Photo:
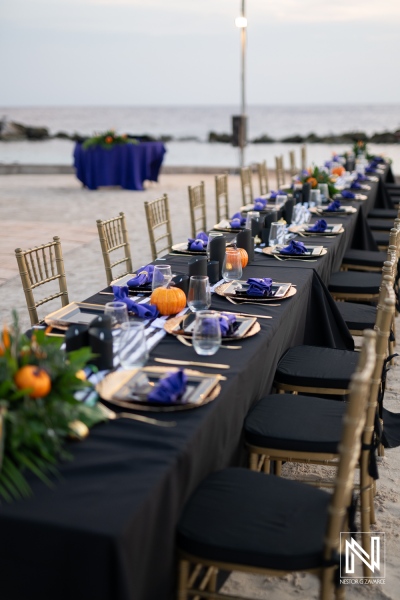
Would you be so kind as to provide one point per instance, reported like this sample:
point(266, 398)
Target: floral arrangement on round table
point(314, 176)
point(38, 409)
point(109, 139)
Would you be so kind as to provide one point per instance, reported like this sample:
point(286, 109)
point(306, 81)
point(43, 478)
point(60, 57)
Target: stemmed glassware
point(232, 266)
point(199, 295)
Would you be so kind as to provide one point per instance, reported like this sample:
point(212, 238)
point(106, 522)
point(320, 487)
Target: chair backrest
point(197, 204)
point(263, 177)
point(221, 197)
point(303, 158)
point(292, 160)
point(158, 222)
point(39, 266)
point(246, 180)
point(350, 445)
point(280, 171)
point(113, 237)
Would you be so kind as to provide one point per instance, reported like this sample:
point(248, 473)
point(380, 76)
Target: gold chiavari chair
point(280, 172)
point(240, 520)
point(246, 180)
point(292, 160)
point(263, 177)
point(303, 158)
point(39, 266)
point(113, 236)
point(222, 197)
point(158, 221)
point(197, 205)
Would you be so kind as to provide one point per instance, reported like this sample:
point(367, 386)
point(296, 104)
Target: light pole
point(241, 22)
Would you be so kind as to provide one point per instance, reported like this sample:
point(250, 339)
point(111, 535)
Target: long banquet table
point(107, 528)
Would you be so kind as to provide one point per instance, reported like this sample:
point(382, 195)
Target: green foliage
point(36, 428)
point(315, 175)
point(107, 140)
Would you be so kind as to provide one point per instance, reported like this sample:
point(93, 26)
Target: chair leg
point(326, 584)
point(183, 579)
point(253, 461)
point(372, 504)
point(278, 468)
point(267, 466)
point(212, 586)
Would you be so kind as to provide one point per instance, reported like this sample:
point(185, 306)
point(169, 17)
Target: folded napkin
point(260, 203)
point(170, 389)
point(144, 311)
point(361, 177)
point(370, 170)
point(199, 244)
point(294, 248)
point(237, 221)
point(319, 226)
point(143, 277)
point(355, 185)
point(259, 286)
point(334, 206)
point(348, 194)
point(226, 323)
point(378, 159)
point(273, 194)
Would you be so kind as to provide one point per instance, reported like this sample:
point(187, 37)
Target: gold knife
point(170, 361)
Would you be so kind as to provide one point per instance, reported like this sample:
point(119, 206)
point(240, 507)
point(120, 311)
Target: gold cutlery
point(250, 315)
point(110, 414)
point(187, 343)
point(170, 361)
point(236, 302)
point(301, 259)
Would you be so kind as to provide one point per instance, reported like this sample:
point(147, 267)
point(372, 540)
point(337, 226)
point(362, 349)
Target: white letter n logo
point(353, 548)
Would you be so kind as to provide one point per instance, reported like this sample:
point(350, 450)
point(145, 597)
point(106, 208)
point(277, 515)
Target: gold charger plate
point(357, 197)
point(171, 325)
point(183, 249)
point(74, 313)
point(347, 210)
point(220, 290)
point(114, 382)
point(224, 226)
point(273, 252)
point(301, 229)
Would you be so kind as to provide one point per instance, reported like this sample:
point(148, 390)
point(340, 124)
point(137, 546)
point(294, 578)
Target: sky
point(185, 52)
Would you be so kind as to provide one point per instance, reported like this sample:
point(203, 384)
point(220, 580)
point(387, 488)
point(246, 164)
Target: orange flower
point(109, 139)
point(6, 342)
point(313, 182)
point(338, 171)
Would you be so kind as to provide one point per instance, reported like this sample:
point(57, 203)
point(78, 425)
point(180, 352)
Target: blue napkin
point(361, 177)
point(199, 244)
point(143, 277)
point(319, 226)
point(260, 203)
point(378, 159)
point(226, 324)
point(334, 206)
point(273, 194)
point(237, 221)
point(170, 389)
point(259, 286)
point(294, 248)
point(144, 311)
point(355, 186)
point(347, 194)
point(370, 170)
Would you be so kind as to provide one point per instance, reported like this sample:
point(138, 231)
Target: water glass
point(199, 295)
point(132, 349)
point(276, 234)
point(323, 187)
point(162, 275)
point(252, 214)
point(281, 199)
point(211, 236)
point(232, 266)
point(315, 198)
point(206, 333)
point(119, 314)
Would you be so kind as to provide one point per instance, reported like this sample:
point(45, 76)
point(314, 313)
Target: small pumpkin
point(169, 301)
point(338, 171)
point(313, 182)
point(35, 379)
point(244, 257)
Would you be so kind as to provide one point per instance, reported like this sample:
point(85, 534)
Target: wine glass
point(199, 295)
point(132, 350)
point(118, 312)
point(162, 275)
point(206, 337)
point(232, 266)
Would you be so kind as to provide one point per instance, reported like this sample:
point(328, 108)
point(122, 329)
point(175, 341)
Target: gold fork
point(265, 304)
point(110, 414)
point(187, 343)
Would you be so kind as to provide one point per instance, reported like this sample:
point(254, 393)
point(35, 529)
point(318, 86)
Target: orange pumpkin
point(244, 257)
point(35, 379)
point(169, 301)
point(312, 181)
point(338, 171)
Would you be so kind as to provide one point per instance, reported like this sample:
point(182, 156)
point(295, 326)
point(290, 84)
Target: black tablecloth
point(107, 529)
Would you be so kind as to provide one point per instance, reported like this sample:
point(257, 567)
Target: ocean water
point(190, 126)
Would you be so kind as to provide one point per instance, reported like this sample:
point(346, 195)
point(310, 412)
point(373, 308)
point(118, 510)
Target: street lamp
point(241, 23)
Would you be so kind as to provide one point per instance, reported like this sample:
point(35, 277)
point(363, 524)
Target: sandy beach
point(34, 208)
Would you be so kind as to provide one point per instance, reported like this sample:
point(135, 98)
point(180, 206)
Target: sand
point(34, 208)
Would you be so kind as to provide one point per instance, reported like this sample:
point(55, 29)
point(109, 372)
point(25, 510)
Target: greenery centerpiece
point(107, 140)
point(38, 409)
point(316, 175)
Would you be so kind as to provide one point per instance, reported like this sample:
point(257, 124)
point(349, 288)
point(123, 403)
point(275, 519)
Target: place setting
point(333, 209)
point(295, 250)
point(319, 228)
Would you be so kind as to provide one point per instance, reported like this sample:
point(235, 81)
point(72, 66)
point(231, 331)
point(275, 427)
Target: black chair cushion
point(383, 213)
point(316, 366)
point(381, 238)
point(295, 422)
point(380, 224)
point(247, 518)
point(364, 258)
point(355, 282)
point(357, 316)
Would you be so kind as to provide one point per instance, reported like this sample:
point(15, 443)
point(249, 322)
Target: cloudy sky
point(163, 52)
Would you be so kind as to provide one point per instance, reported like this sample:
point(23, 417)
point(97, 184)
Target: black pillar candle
point(102, 322)
point(306, 192)
point(101, 343)
point(181, 282)
point(76, 337)
point(217, 252)
point(246, 241)
point(198, 265)
point(213, 271)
